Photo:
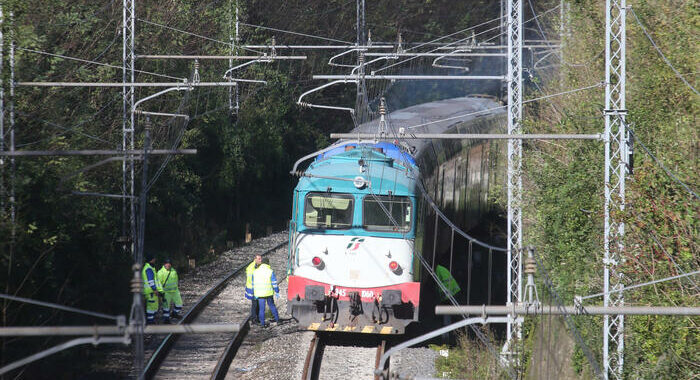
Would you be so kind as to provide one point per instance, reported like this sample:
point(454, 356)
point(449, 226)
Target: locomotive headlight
point(317, 262)
point(395, 267)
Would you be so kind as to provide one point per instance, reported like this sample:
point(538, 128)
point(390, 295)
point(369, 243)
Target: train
point(360, 217)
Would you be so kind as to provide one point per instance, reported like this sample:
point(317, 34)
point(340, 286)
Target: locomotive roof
point(439, 116)
point(382, 171)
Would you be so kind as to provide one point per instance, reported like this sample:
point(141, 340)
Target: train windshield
point(328, 210)
point(386, 213)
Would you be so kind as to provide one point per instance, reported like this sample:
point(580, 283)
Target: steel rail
point(381, 349)
point(167, 344)
point(230, 352)
point(314, 356)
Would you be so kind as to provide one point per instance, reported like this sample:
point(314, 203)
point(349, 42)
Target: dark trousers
point(271, 303)
point(254, 309)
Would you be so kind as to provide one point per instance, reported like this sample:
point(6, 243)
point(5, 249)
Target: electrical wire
point(461, 40)
point(658, 50)
point(195, 34)
point(567, 317)
point(65, 129)
point(95, 62)
point(642, 285)
point(295, 33)
point(660, 164)
point(58, 307)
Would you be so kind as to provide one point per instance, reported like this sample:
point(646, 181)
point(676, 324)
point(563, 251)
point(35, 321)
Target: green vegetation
point(564, 183)
point(67, 247)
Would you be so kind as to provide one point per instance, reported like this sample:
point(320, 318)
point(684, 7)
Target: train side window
point(377, 209)
point(328, 210)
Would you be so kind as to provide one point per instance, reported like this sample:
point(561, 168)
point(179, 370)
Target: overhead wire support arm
point(181, 86)
point(223, 57)
point(93, 152)
point(540, 309)
point(462, 54)
point(139, 112)
point(457, 136)
point(227, 75)
point(304, 104)
point(348, 78)
point(315, 47)
point(331, 63)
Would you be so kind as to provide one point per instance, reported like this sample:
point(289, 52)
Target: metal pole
point(13, 210)
point(204, 328)
point(231, 51)
point(2, 159)
point(128, 172)
point(615, 172)
point(134, 84)
point(458, 136)
point(96, 152)
point(229, 57)
point(514, 228)
point(2, 117)
point(61, 347)
point(539, 309)
point(410, 77)
point(463, 323)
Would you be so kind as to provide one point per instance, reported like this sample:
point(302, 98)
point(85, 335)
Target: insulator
point(136, 285)
point(530, 267)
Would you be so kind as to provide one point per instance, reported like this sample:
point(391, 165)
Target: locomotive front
point(351, 258)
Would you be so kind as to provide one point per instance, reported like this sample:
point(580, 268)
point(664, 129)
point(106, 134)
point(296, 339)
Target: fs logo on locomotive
point(354, 244)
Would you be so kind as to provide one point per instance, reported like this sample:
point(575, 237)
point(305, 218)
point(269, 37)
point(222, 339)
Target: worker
point(264, 284)
point(257, 260)
point(167, 276)
point(448, 281)
point(151, 288)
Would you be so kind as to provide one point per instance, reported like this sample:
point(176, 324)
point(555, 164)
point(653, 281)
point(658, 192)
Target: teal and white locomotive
point(357, 223)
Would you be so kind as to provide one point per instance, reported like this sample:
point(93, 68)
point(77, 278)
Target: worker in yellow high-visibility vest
point(172, 300)
point(249, 287)
point(151, 288)
point(264, 287)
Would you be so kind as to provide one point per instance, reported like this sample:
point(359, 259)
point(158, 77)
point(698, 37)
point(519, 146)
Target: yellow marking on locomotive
point(368, 329)
point(386, 330)
point(350, 328)
point(314, 326)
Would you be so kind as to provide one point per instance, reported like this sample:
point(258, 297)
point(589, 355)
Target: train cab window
point(376, 218)
point(328, 210)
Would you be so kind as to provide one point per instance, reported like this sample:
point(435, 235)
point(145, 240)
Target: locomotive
point(358, 218)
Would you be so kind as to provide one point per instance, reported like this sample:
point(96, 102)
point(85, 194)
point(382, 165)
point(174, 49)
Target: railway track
point(314, 357)
point(206, 355)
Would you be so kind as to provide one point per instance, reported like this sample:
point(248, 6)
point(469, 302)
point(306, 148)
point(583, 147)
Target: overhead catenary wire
point(660, 164)
point(194, 34)
point(60, 307)
point(295, 33)
point(460, 41)
point(658, 50)
point(502, 107)
point(642, 285)
point(95, 63)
